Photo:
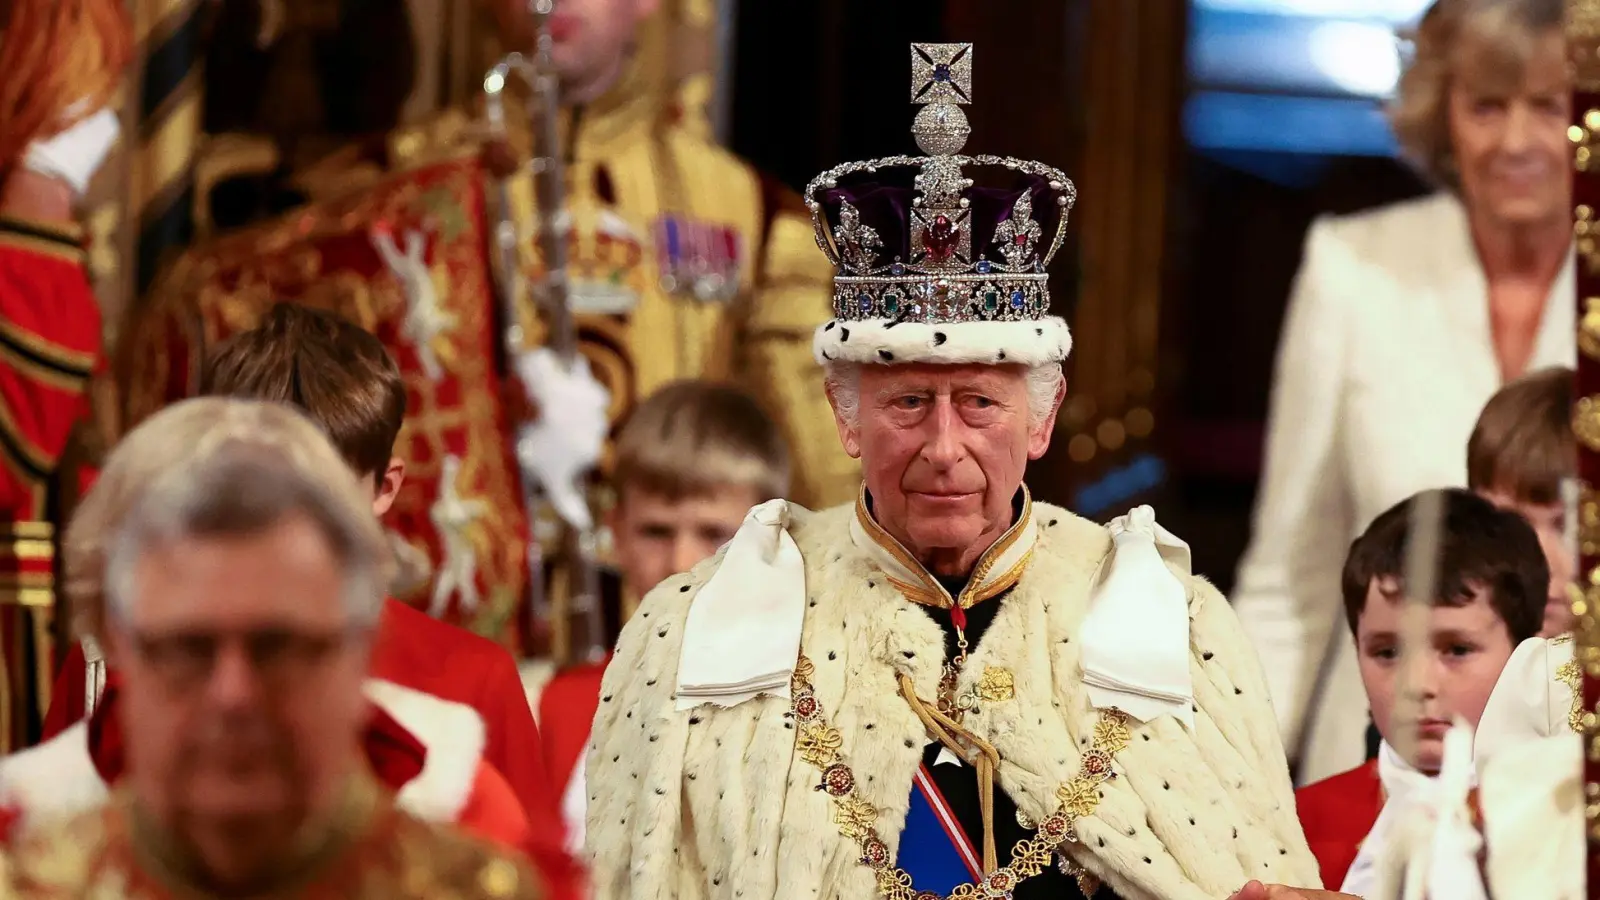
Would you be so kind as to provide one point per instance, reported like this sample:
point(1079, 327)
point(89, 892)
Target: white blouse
point(1386, 359)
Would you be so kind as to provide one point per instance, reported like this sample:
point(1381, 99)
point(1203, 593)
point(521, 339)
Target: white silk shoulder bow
point(742, 637)
point(1135, 638)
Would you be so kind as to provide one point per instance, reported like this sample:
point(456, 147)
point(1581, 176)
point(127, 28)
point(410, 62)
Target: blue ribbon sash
point(934, 850)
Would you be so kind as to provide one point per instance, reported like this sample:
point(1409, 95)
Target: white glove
point(565, 441)
point(76, 154)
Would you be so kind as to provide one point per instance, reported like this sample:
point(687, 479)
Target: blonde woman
point(1403, 322)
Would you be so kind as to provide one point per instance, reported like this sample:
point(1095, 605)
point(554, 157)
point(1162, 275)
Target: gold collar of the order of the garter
point(996, 571)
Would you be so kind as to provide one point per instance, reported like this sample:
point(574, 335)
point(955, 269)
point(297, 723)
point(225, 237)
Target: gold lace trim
point(1569, 674)
point(820, 744)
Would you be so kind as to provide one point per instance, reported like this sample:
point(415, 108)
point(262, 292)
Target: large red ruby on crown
point(939, 239)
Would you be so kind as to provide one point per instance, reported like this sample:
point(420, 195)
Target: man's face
point(1510, 141)
point(242, 682)
point(1468, 647)
point(657, 537)
point(943, 449)
point(1549, 523)
point(591, 37)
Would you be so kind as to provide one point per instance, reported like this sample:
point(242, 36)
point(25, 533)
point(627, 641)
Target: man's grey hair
point(843, 380)
point(219, 468)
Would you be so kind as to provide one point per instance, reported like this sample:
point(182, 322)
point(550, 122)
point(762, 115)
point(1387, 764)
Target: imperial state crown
point(931, 265)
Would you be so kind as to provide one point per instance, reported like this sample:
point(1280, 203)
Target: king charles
point(944, 689)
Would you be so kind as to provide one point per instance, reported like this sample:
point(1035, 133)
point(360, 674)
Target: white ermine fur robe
point(716, 803)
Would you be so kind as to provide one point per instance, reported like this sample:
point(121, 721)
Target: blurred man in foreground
point(243, 717)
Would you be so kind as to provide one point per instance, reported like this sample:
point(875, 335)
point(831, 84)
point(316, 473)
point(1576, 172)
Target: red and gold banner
point(323, 256)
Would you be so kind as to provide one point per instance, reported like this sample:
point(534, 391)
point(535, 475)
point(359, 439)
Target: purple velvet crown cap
point(884, 197)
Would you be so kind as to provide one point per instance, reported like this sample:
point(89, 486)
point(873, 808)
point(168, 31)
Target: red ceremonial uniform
point(566, 714)
point(422, 653)
point(1337, 814)
point(49, 347)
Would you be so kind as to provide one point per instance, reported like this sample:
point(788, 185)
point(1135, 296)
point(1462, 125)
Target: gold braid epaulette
point(58, 239)
point(819, 744)
point(1569, 674)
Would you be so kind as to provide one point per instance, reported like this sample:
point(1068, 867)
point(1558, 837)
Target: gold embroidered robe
point(373, 851)
point(724, 803)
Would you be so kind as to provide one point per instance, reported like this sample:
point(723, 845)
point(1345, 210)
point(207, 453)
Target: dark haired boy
point(1490, 596)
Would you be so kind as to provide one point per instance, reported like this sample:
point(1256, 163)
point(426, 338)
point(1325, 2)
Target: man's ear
point(849, 432)
point(388, 486)
point(1039, 434)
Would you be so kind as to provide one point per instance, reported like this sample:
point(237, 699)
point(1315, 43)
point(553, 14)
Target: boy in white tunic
point(943, 689)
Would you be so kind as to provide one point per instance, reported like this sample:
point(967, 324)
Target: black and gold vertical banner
point(168, 138)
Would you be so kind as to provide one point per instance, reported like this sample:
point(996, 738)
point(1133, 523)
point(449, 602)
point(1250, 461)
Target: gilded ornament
point(838, 780)
point(1079, 797)
point(1032, 860)
point(819, 744)
point(894, 887)
point(498, 878)
point(806, 707)
point(855, 817)
point(1583, 42)
point(1584, 230)
point(1111, 732)
point(1096, 763)
point(1588, 521)
point(996, 685)
point(1589, 328)
point(875, 854)
point(1586, 422)
point(1569, 674)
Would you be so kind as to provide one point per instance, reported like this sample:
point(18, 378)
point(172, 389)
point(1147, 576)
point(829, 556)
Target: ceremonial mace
point(550, 298)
